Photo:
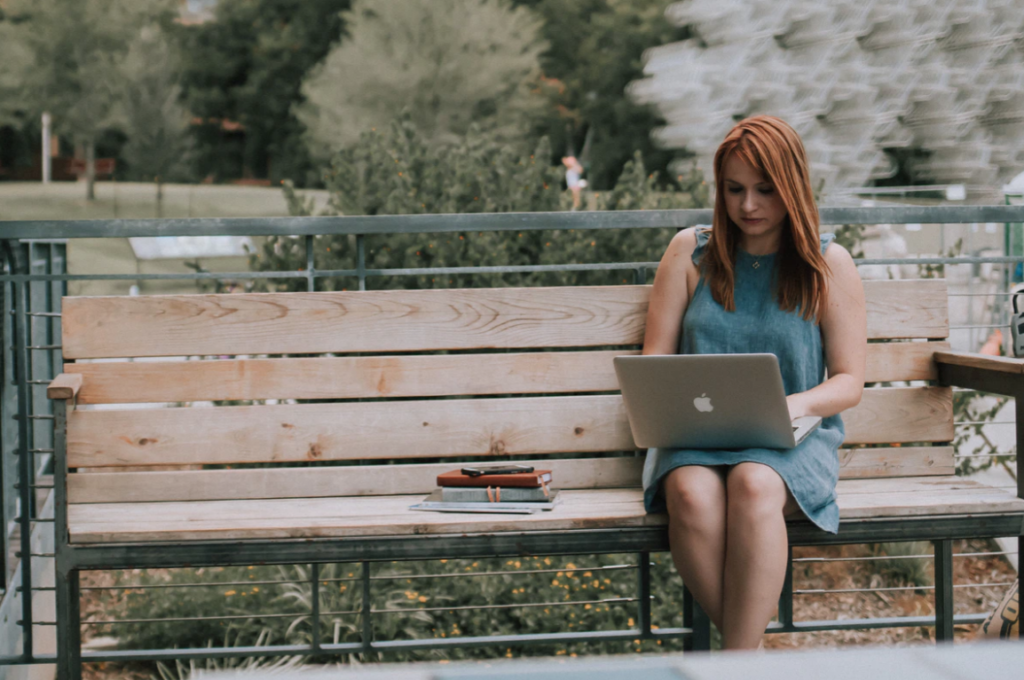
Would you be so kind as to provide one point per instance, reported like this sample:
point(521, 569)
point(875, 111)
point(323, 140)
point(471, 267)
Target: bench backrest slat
point(430, 429)
point(129, 382)
point(417, 320)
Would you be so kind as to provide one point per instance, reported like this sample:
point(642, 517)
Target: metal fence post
point(366, 612)
point(695, 618)
point(314, 582)
point(944, 591)
point(643, 603)
point(19, 265)
point(786, 598)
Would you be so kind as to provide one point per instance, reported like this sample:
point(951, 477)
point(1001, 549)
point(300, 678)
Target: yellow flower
point(629, 622)
point(422, 598)
point(229, 593)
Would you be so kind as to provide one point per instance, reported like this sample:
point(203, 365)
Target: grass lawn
point(66, 201)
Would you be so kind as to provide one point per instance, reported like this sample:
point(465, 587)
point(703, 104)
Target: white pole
point(46, 149)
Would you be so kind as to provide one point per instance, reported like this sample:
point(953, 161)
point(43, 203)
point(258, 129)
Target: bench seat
point(367, 516)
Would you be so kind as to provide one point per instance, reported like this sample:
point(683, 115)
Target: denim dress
point(811, 469)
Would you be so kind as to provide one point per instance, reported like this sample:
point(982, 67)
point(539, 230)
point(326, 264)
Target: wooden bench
point(426, 378)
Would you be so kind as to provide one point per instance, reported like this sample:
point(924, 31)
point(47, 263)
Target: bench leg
point(69, 627)
point(943, 591)
point(695, 618)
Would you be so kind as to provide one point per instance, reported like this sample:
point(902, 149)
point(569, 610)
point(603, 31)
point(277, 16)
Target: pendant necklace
point(757, 262)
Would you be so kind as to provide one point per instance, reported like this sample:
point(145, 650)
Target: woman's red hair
point(773, 148)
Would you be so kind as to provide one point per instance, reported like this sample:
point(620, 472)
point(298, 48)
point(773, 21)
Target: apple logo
point(703, 403)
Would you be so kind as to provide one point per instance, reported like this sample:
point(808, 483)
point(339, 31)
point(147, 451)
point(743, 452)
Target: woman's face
point(752, 202)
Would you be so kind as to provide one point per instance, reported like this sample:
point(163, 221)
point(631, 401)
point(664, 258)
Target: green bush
point(398, 172)
point(271, 605)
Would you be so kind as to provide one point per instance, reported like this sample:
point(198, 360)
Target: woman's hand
point(797, 407)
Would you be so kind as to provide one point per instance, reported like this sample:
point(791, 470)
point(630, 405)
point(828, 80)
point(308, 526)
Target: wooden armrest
point(983, 372)
point(983, 361)
point(64, 386)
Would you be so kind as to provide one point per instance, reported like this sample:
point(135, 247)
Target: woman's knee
point(755, 488)
point(694, 492)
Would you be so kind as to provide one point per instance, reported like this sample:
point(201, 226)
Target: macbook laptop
point(709, 401)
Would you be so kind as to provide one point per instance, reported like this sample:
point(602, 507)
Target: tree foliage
point(149, 110)
point(399, 171)
point(450, 63)
point(14, 62)
point(595, 51)
point(246, 66)
point(73, 52)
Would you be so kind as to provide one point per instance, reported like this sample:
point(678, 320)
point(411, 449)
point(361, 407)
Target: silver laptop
point(709, 401)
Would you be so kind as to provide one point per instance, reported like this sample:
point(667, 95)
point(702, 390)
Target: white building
point(858, 79)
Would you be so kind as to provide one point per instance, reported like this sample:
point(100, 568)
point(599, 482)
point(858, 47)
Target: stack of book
point(515, 489)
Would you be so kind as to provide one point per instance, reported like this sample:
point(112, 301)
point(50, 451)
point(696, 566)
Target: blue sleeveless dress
point(811, 469)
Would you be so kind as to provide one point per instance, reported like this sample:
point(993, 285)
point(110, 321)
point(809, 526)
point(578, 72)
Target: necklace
point(757, 262)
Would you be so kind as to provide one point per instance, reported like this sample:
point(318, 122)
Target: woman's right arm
point(670, 295)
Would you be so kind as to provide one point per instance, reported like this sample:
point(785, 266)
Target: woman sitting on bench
point(761, 279)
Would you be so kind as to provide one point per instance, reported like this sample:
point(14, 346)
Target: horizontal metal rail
point(479, 222)
point(397, 577)
point(872, 558)
point(833, 591)
point(452, 271)
point(514, 605)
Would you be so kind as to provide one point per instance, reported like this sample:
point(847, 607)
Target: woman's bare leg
point(757, 550)
point(696, 501)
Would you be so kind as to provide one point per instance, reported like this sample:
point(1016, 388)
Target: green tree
point(150, 112)
point(14, 62)
point(247, 66)
point(74, 49)
point(596, 51)
point(450, 63)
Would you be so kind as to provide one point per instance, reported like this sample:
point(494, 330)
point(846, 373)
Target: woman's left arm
point(844, 338)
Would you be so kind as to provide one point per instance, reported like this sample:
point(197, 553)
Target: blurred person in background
point(573, 178)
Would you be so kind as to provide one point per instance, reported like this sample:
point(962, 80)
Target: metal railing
point(35, 278)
